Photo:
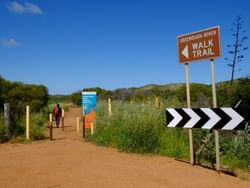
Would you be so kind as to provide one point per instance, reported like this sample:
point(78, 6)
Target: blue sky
point(69, 45)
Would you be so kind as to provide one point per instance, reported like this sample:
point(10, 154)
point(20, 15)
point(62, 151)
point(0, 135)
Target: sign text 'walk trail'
point(199, 45)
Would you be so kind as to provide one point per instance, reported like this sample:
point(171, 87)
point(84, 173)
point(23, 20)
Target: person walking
point(57, 114)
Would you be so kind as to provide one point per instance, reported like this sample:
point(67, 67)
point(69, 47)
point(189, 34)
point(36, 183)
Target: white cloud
point(24, 8)
point(9, 42)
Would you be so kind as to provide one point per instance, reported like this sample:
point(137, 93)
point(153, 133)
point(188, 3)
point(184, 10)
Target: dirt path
point(69, 162)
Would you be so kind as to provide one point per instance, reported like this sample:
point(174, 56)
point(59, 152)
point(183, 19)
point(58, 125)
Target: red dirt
point(68, 162)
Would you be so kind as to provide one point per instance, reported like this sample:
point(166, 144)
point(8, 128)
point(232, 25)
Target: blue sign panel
point(88, 101)
point(89, 107)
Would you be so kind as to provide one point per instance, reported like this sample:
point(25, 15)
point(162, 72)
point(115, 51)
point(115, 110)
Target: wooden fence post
point(92, 128)
point(110, 107)
point(27, 122)
point(78, 124)
point(157, 104)
point(62, 119)
point(50, 127)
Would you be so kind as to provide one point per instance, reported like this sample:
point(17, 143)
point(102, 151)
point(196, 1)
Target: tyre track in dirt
point(69, 162)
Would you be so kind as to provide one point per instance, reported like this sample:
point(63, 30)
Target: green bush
point(37, 127)
point(235, 153)
point(132, 128)
point(19, 95)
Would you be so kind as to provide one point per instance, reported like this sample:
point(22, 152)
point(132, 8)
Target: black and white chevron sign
point(205, 118)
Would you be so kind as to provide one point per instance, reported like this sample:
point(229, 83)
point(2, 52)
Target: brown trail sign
point(200, 45)
point(204, 44)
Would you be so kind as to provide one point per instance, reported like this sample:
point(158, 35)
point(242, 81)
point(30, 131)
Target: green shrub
point(19, 95)
point(132, 128)
point(37, 127)
point(142, 138)
point(235, 154)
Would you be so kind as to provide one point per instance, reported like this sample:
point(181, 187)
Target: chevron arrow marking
point(194, 118)
point(213, 118)
point(177, 117)
point(206, 118)
point(235, 121)
point(224, 118)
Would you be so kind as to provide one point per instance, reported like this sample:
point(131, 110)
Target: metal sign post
point(200, 45)
point(216, 132)
point(190, 134)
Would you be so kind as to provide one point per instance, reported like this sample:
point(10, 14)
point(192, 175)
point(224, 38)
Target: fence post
point(62, 119)
point(27, 122)
point(157, 104)
point(110, 107)
point(78, 124)
point(7, 118)
point(50, 127)
point(83, 123)
point(92, 128)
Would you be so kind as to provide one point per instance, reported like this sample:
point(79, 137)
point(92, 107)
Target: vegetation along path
point(69, 162)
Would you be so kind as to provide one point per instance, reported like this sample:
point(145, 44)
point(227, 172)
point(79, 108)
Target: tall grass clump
point(174, 143)
point(139, 128)
point(132, 127)
point(37, 128)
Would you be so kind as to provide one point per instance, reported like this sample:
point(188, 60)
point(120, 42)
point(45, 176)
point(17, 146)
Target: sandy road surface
point(69, 162)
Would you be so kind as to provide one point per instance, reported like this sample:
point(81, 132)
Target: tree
point(76, 98)
point(242, 94)
point(237, 47)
